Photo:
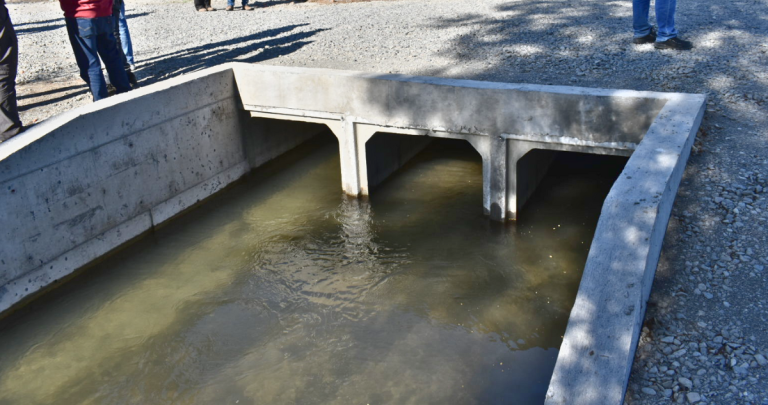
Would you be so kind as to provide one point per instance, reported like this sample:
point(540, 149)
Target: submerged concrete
point(83, 183)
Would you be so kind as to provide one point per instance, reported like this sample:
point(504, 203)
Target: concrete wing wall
point(598, 348)
point(84, 182)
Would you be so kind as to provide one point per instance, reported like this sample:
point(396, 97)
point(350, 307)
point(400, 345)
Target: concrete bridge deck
point(83, 183)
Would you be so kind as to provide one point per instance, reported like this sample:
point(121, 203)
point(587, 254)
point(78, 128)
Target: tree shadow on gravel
point(252, 48)
point(50, 25)
point(589, 43)
point(49, 92)
point(47, 101)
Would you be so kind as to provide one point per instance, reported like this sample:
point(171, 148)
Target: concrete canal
point(281, 290)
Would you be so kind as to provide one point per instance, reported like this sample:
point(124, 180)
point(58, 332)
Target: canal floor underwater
point(281, 290)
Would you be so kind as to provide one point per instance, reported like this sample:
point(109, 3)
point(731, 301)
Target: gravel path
point(706, 334)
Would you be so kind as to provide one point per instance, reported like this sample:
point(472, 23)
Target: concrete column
point(345, 132)
point(364, 133)
point(497, 177)
point(482, 146)
point(516, 150)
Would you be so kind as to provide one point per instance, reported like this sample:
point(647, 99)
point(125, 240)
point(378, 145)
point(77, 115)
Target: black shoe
point(675, 43)
point(651, 37)
point(132, 80)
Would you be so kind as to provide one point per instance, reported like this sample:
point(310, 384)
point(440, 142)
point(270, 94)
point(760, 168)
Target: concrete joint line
point(565, 140)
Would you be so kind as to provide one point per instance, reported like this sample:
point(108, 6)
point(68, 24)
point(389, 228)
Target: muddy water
point(282, 291)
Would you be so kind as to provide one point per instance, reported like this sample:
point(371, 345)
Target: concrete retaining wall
point(83, 183)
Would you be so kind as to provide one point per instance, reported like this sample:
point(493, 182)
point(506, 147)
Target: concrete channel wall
point(83, 183)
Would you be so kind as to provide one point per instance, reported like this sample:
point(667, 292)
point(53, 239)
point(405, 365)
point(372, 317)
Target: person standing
point(231, 5)
point(666, 38)
point(90, 28)
point(204, 5)
point(10, 124)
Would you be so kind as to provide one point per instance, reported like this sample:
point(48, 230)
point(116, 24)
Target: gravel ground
point(705, 338)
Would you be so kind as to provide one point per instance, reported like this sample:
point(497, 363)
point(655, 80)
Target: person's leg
point(665, 18)
point(200, 5)
point(86, 39)
point(110, 54)
point(80, 58)
point(116, 33)
point(640, 24)
point(125, 36)
point(10, 124)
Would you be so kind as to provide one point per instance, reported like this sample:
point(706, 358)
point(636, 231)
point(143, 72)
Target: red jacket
point(86, 8)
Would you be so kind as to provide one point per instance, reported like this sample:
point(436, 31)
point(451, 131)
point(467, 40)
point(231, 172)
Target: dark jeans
point(10, 124)
point(665, 18)
point(91, 38)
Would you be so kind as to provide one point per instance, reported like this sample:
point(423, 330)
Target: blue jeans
point(231, 3)
point(125, 35)
point(665, 18)
point(91, 38)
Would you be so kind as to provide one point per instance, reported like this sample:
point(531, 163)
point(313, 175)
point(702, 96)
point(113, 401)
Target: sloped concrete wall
point(83, 183)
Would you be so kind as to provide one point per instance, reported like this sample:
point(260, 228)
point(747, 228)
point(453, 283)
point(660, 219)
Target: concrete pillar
point(482, 146)
point(497, 176)
point(365, 133)
point(346, 133)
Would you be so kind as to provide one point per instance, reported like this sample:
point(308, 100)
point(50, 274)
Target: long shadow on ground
point(251, 48)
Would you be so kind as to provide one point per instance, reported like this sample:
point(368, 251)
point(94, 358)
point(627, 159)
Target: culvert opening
point(570, 182)
point(440, 171)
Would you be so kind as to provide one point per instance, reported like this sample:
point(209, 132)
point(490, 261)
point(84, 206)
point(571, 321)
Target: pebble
point(693, 397)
